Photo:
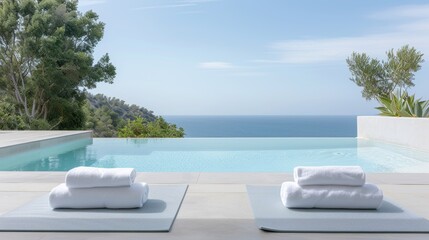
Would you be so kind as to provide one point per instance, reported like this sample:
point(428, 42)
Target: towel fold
point(367, 196)
point(133, 196)
point(87, 177)
point(329, 175)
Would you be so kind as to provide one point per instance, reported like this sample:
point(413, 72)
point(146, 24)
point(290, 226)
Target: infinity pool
point(220, 155)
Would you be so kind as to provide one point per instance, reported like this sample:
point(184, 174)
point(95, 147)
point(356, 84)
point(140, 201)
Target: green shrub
point(9, 120)
point(403, 105)
point(40, 124)
point(140, 128)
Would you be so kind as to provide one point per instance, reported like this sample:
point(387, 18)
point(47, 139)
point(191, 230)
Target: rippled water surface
point(221, 155)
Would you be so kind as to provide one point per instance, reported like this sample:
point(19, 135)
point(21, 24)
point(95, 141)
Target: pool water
point(220, 155)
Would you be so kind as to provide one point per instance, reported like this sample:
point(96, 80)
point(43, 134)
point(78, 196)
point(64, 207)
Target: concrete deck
point(12, 142)
point(216, 205)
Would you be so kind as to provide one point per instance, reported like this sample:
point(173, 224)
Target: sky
point(259, 57)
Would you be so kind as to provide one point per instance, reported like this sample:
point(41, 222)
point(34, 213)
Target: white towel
point(88, 177)
point(367, 196)
point(133, 196)
point(329, 175)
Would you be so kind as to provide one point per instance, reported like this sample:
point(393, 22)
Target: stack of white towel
point(330, 187)
point(89, 187)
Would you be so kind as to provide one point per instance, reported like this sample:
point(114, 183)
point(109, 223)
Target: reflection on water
point(61, 162)
point(220, 155)
point(60, 157)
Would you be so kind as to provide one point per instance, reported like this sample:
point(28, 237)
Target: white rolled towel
point(88, 177)
point(367, 196)
point(329, 175)
point(133, 196)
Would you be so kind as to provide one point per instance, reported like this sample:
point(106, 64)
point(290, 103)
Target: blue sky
point(261, 57)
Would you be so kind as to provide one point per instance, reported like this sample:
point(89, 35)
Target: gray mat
point(156, 215)
point(271, 215)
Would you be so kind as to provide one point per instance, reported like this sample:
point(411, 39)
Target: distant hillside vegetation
point(107, 115)
point(119, 106)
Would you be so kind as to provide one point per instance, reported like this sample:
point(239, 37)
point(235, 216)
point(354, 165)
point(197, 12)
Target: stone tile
point(22, 235)
point(399, 178)
point(217, 188)
point(168, 178)
point(32, 177)
point(215, 229)
point(244, 178)
point(208, 229)
point(215, 205)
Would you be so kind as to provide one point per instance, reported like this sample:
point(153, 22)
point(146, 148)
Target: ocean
point(266, 126)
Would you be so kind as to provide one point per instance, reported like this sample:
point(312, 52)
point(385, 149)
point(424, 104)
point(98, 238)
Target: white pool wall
point(13, 142)
point(409, 132)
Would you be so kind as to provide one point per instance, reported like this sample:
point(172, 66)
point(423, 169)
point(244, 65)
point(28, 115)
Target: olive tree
point(380, 78)
point(46, 59)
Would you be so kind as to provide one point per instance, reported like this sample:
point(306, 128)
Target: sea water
point(266, 126)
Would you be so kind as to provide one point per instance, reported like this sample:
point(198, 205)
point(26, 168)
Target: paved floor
point(216, 205)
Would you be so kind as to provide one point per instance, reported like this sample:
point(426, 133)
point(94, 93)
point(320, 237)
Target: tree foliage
point(112, 117)
point(46, 60)
point(9, 120)
point(381, 78)
point(46, 66)
point(100, 120)
point(105, 115)
point(119, 107)
point(139, 128)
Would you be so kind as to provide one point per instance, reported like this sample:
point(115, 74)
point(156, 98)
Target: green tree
point(119, 107)
point(46, 59)
point(159, 128)
point(9, 120)
point(381, 78)
point(105, 115)
point(103, 123)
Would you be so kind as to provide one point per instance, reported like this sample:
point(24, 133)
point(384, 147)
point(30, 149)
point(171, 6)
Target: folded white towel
point(133, 196)
point(329, 175)
point(88, 177)
point(367, 196)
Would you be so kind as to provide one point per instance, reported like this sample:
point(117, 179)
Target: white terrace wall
point(410, 132)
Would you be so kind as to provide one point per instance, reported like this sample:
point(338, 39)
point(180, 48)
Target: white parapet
point(410, 132)
point(13, 142)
